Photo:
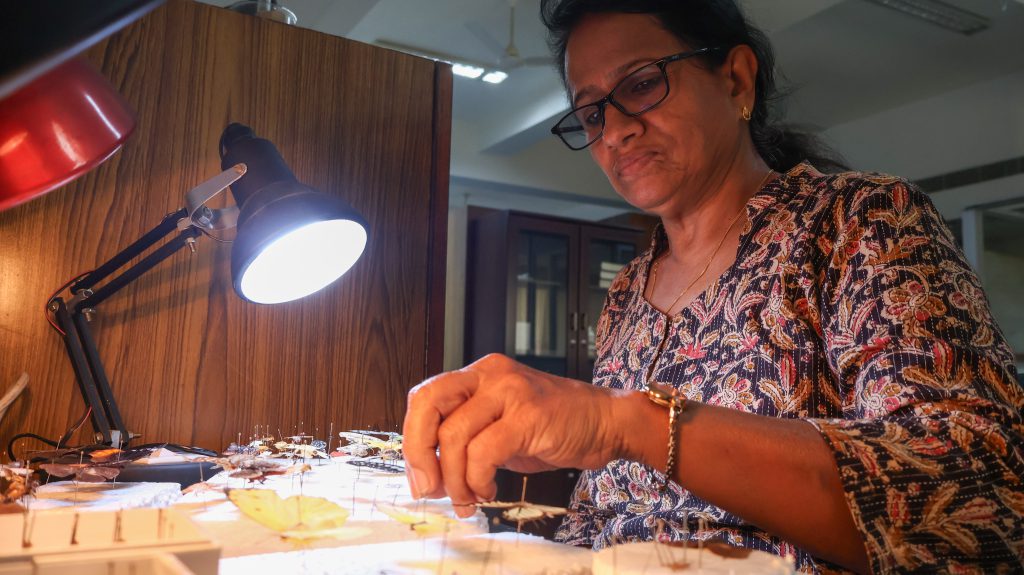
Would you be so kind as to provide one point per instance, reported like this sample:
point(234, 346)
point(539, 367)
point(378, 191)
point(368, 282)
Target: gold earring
point(745, 113)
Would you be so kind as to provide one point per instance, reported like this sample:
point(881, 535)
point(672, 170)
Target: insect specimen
point(422, 522)
point(523, 511)
point(299, 450)
point(377, 465)
point(15, 483)
point(355, 450)
point(296, 517)
point(87, 472)
point(93, 466)
point(384, 444)
point(247, 466)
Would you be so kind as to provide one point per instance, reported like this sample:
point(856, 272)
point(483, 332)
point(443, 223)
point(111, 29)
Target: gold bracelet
point(668, 396)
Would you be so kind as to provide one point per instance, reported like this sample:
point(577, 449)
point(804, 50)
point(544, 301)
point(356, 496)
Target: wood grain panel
point(439, 215)
point(189, 361)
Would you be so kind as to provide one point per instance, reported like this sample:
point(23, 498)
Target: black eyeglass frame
point(608, 99)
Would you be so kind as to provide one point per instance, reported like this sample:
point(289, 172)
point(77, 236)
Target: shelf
point(529, 356)
point(543, 283)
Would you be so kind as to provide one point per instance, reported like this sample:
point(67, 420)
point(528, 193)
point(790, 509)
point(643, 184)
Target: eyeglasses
point(641, 90)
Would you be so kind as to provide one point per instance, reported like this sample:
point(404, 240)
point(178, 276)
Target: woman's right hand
point(462, 425)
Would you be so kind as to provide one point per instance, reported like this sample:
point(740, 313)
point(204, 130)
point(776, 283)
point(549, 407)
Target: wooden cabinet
point(536, 285)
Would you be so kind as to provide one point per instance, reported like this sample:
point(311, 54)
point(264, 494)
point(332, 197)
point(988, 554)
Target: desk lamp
point(291, 241)
point(59, 117)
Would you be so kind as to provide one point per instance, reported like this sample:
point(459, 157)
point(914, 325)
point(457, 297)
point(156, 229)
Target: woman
point(803, 360)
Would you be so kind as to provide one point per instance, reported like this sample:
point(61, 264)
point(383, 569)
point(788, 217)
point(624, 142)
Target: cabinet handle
point(573, 327)
point(583, 328)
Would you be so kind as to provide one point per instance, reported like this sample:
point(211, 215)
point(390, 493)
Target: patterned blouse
point(851, 306)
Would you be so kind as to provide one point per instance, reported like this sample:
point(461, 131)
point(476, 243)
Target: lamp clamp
point(202, 216)
point(76, 298)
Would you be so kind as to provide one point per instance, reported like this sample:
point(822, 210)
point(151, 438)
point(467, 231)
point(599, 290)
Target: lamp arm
point(190, 220)
point(81, 348)
point(72, 316)
point(78, 349)
point(94, 298)
point(195, 213)
point(166, 226)
point(78, 341)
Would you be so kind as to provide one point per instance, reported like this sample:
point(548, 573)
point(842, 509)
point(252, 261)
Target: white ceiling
point(844, 59)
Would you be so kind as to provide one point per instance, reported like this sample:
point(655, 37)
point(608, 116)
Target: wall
point(189, 361)
point(455, 290)
point(972, 126)
point(547, 165)
point(1003, 285)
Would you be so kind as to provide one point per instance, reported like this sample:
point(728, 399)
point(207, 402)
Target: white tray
point(104, 539)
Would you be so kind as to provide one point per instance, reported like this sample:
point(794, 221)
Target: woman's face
point(660, 160)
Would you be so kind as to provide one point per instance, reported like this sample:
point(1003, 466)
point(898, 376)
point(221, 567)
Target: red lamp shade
point(56, 128)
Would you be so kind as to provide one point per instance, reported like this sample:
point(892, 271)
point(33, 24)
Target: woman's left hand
point(462, 425)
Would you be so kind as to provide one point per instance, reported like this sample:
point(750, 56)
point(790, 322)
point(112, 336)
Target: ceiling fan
point(505, 58)
point(508, 56)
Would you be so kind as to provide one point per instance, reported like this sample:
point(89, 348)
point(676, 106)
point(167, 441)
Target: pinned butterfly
point(379, 450)
point(298, 517)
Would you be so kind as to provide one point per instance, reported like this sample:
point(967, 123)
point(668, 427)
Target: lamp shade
point(56, 128)
point(292, 240)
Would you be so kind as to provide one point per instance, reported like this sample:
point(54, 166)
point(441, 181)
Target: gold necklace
point(707, 266)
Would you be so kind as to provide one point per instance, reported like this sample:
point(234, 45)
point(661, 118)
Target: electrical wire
point(46, 305)
point(10, 444)
point(97, 446)
point(213, 237)
point(64, 439)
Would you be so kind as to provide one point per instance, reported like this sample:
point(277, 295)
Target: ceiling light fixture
point(467, 71)
point(268, 9)
point(495, 77)
point(940, 13)
point(464, 68)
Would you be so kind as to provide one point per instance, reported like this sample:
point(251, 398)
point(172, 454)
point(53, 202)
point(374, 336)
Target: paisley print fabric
point(850, 306)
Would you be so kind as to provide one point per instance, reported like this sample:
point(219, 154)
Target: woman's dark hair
point(704, 24)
